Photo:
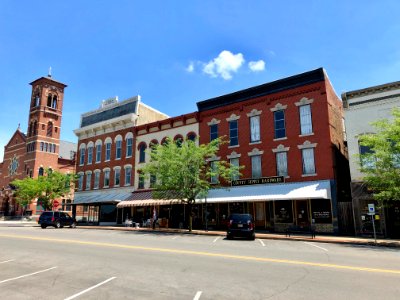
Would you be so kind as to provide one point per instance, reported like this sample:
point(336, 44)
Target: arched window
point(35, 128)
point(49, 99)
point(49, 129)
point(142, 152)
point(30, 129)
point(41, 171)
point(54, 103)
point(178, 139)
point(191, 136)
point(164, 141)
point(118, 146)
point(129, 144)
point(153, 145)
point(37, 100)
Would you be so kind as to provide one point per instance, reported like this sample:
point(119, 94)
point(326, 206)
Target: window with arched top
point(129, 144)
point(50, 129)
point(178, 139)
point(41, 171)
point(49, 99)
point(142, 152)
point(191, 136)
point(164, 141)
point(54, 102)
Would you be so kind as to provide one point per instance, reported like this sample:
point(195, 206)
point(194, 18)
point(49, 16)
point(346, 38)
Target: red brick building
point(40, 148)
point(291, 128)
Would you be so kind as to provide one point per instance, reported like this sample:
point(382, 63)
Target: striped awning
point(145, 198)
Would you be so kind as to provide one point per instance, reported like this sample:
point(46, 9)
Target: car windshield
point(237, 217)
point(47, 213)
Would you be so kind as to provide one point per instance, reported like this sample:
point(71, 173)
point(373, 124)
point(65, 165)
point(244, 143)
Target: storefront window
point(283, 211)
point(321, 210)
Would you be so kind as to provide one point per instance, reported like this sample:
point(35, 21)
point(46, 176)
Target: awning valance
point(145, 198)
point(268, 192)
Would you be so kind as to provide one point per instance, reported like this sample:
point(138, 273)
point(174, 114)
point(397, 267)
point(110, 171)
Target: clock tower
point(44, 125)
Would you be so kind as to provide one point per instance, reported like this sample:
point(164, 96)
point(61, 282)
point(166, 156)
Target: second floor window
point(256, 166)
point(305, 119)
point(254, 129)
point(117, 176)
point(108, 151)
point(106, 178)
point(142, 153)
point(214, 170)
point(128, 175)
point(213, 132)
point(279, 124)
point(96, 180)
point(129, 143)
point(153, 180)
point(235, 163)
point(118, 149)
point(281, 164)
point(308, 161)
point(233, 133)
point(80, 182)
point(141, 181)
point(88, 180)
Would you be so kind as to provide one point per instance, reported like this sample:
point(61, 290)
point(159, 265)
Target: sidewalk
point(259, 234)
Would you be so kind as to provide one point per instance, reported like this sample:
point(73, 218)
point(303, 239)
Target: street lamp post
point(205, 200)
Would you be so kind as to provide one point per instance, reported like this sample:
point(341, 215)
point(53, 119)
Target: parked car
point(240, 225)
point(58, 219)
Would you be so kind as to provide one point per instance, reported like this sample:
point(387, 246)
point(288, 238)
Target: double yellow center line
point(206, 254)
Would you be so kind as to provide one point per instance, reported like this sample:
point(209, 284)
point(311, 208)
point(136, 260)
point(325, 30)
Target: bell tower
point(44, 125)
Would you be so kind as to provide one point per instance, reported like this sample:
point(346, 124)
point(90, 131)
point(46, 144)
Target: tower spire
point(49, 72)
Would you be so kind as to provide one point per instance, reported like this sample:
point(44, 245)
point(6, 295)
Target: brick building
point(106, 157)
point(40, 148)
point(288, 131)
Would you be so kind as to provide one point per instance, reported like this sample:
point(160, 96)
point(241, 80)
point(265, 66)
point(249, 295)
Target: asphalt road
point(96, 264)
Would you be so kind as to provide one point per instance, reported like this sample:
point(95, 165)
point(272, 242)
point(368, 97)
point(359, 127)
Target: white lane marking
point(26, 275)
point(6, 261)
point(197, 296)
point(89, 289)
point(175, 237)
point(311, 244)
point(262, 243)
point(216, 239)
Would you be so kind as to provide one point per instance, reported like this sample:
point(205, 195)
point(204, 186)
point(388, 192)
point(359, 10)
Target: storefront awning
point(97, 197)
point(145, 198)
point(267, 192)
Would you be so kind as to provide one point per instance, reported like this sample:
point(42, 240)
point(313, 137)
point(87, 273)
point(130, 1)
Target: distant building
point(361, 108)
point(30, 153)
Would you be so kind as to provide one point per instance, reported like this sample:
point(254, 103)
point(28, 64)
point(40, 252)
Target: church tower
point(44, 125)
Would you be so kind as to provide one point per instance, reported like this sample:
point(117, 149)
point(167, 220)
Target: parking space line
point(6, 261)
point(26, 275)
point(216, 239)
point(89, 289)
point(197, 296)
point(175, 237)
point(311, 244)
point(262, 243)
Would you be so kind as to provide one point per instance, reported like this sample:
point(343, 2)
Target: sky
point(176, 53)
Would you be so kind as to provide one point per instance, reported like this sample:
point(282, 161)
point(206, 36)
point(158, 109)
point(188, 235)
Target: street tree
point(52, 185)
point(380, 159)
point(184, 170)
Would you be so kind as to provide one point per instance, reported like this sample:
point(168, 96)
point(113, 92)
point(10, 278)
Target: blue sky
point(175, 53)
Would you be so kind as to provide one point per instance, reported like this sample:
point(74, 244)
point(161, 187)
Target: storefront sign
point(262, 180)
point(321, 214)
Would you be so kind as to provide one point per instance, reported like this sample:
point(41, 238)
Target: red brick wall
point(321, 129)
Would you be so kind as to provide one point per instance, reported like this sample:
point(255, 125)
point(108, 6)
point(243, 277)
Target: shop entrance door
point(93, 215)
point(302, 214)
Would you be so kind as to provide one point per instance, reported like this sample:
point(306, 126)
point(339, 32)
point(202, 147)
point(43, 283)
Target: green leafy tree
point(381, 161)
point(183, 170)
point(46, 189)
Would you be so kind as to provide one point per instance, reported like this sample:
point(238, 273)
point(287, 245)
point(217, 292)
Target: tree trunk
point(190, 216)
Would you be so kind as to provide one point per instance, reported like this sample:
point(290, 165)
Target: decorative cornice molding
point(307, 144)
point(278, 106)
point(304, 101)
point(233, 155)
point(280, 148)
point(255, 151)
point(254, 113)
point(213, 122)
point(233, 117)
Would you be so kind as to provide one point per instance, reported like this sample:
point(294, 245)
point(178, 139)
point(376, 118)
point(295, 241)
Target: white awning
point(268, 192)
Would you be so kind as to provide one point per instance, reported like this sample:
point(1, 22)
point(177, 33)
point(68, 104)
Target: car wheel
point(229, 237)
point(73, 225)
point(43, 226)
point(253, 237)
point(58, 224)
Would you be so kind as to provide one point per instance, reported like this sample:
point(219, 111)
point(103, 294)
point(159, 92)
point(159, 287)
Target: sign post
point(371, 212)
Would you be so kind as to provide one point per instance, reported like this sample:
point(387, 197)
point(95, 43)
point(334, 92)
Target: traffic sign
point(55, 203)
point(371, 209)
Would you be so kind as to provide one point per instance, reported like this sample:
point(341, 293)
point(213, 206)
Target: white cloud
point(190, 67)
point(224, 65)
point(257, 66)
